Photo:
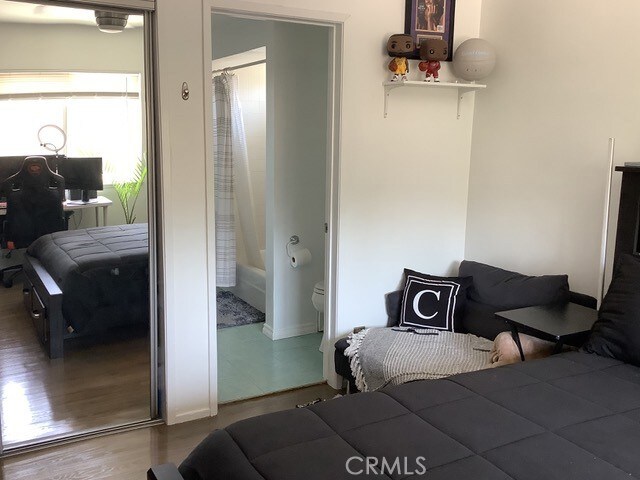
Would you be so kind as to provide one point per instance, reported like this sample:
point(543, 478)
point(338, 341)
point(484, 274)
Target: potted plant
point(129, 191)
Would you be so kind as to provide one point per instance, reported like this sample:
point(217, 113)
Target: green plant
point(129, 191)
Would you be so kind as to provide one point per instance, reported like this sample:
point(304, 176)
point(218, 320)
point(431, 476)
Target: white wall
point(396, 209)
point(190, 344)
point(76, 48)
point(297, 77)
point(252, 90)
point(539, 156)
point(404, 179)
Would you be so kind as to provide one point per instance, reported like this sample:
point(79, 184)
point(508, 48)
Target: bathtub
point(251, 286)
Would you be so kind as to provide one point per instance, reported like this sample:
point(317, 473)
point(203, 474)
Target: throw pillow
point(616, 333)
point(433, 302)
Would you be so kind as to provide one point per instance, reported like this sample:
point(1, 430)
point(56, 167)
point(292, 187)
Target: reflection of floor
point(91, 387)
point(250, 364)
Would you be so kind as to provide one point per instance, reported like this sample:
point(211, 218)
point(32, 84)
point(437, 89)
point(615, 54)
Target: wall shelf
point(461, 88)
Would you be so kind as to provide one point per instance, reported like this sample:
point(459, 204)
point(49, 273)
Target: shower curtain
point(232, 181)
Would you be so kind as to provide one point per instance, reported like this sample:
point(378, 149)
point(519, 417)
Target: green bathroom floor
point(250, 364)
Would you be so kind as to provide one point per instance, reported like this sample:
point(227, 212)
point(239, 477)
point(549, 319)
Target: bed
point(570, 416)
point(86, 282)
point(574, 415)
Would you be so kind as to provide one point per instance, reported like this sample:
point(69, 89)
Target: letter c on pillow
point(416, 301)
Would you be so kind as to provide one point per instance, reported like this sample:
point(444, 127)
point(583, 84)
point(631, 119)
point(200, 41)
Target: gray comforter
point(81, 251)
point(570, 416)
point(103, 274)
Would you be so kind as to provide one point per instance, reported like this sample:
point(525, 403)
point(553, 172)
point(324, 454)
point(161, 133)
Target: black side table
point(559, 322)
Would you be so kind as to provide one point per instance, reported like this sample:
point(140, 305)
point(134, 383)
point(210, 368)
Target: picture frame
point(430, 19)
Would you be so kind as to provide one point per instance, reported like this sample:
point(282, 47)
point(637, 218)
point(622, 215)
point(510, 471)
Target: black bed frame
point(167, 471)
point(43, 300)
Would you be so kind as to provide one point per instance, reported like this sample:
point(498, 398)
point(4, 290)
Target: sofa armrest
point(167, 471)
point(584, 300)
point(393, 304)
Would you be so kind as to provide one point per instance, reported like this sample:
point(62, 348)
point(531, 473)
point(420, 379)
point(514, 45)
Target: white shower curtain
point(223, 181)
point(232, 181)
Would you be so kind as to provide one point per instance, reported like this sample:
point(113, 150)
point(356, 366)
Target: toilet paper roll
point(300, 257)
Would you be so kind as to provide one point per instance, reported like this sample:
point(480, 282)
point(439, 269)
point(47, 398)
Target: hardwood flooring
point(93, 386)
point(129, 455)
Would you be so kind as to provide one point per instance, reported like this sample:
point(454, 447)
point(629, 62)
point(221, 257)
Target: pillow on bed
point(433, 302)
point(616, 333)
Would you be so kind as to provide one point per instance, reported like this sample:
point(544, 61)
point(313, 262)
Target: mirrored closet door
point(76, 324)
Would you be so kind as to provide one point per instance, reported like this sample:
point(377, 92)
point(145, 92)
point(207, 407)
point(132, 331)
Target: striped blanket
point(386, 356)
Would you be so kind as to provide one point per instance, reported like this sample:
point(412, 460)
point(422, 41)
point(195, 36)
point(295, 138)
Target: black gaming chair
point(34, 208)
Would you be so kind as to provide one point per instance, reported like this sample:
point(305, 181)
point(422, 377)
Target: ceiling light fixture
point(111, 22)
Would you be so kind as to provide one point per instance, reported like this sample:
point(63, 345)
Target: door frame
point(335, 22)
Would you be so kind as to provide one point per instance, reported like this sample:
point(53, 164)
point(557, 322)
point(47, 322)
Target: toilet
point(318, 302)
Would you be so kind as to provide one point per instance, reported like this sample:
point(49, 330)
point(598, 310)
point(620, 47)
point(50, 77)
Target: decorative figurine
point(398, 46)
point(432, 50)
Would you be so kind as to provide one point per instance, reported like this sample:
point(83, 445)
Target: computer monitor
point(83, 174)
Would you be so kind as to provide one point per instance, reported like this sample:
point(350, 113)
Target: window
point(101, 114)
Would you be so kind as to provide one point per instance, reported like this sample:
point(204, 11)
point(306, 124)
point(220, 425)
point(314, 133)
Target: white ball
point(474, 59)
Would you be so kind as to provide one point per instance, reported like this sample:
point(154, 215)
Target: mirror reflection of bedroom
point(74, 304)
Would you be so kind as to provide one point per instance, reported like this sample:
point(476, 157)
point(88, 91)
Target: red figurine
point(432, 50)
point(399, 46)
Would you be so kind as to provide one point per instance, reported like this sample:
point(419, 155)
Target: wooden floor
point(128, 455)
point(91, 387)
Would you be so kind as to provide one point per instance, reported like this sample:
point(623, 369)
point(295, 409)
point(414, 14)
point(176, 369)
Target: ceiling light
point(111, 22)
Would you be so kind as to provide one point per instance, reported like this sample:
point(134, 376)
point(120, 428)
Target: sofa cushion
point(495, 289)
point(509, 290)
point(480, 319)
point(616, 333)
point(433, 302)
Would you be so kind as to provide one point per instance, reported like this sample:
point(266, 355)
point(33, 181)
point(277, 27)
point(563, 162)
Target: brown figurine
point(432, 50)
point(398, 46)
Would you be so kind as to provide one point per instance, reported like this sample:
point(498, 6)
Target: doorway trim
point(335, 22)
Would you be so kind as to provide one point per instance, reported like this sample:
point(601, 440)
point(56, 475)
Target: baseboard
point(292, 331)
point(335, 381)
point(189, 416)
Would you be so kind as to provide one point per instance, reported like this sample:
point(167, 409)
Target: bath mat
point(233, 312)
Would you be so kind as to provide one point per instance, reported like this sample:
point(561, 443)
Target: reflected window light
point(18, 415)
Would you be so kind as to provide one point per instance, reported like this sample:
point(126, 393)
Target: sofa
point(492, 290)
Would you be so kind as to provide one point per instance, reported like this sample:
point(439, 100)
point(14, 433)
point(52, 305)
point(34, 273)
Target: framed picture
point(430, 19)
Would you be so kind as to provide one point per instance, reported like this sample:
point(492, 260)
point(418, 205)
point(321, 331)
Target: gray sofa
point(493, 290)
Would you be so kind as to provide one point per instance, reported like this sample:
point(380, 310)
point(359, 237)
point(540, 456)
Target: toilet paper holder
point(294, 240)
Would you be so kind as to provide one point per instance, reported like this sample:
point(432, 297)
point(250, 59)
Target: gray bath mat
point(233, 312)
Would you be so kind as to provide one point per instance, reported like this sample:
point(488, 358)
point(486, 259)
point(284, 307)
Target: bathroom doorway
point(270, 202)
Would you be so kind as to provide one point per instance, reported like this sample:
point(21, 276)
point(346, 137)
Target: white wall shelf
point(461, 88)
